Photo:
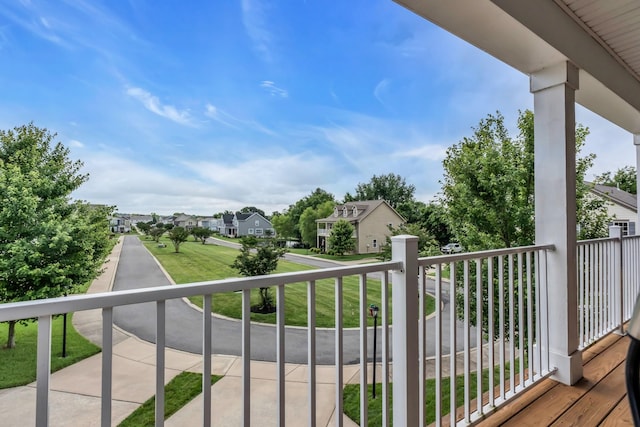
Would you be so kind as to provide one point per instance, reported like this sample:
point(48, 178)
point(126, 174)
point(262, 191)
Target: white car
point(451, 248)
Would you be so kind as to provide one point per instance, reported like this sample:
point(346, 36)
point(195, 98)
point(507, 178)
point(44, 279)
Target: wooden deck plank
point(620, 416)
point(553, 403)
point(594, 406)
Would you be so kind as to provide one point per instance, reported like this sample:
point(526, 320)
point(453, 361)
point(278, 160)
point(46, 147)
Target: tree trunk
point(11, 340)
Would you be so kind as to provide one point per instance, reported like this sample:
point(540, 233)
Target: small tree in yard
point(178, 235)
point(258, 258)
point(156, 233)
point(341, 238)
point(201, 234)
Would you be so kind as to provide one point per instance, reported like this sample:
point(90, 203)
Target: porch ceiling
point(601, 37)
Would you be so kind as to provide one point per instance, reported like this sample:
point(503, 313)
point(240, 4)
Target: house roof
point(617, 196)
point(363, 208)
point(243, 216)
point(227, 219)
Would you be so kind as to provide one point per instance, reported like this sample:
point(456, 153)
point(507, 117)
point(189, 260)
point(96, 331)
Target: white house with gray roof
point(622, 206)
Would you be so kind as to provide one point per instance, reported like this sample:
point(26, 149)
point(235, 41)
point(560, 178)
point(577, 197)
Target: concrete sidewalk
point(75, 390)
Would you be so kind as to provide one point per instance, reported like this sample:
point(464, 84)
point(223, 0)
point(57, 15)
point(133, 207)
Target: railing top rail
point(445, 259)
point(51, 306)
point(600, 240)
point(635, 236)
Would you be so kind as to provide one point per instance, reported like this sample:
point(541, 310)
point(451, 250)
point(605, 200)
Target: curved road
point(138, 269)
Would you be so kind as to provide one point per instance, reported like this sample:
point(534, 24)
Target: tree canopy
point(50, 244)
point(390, 187)
point(291, 218)
point(178, 235)
point(624, 179)
point(488, 187)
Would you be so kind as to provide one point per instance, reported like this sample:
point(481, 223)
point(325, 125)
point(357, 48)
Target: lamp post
point(373, 311)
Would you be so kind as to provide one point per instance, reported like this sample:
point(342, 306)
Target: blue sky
point(205, 106)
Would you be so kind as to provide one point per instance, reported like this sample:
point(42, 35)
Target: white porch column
point(555, 209)
point(636, 142)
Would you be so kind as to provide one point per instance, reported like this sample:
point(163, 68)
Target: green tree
point(488, 187)
point(391, 187)
point(316, 198)
point(307, 223)
point(284, 226)
point(178, 235)
point(624, 178)
point(201, 234)
point(488, 190)
point(49, 244)
point(144, 227)
point(341, 238)
point(250, 209)
point(156, 233)
point(427, 244)
point(258, 258)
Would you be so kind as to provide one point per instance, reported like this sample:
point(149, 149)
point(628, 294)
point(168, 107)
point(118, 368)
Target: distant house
point(135, 219)
point(185, 221)
point(371, 220)
point(120, 223)
point(622, 206)
point(243, 224)
point(210, 223)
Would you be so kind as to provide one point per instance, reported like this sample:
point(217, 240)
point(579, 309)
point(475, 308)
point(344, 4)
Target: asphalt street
point(138, 269)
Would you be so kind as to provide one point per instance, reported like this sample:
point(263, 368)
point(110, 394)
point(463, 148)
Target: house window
point(624, 225)
point(335, 212)
point(257, 223)
point(259, 231)
point(355, 211)
point(344, 211)
point(250, 231)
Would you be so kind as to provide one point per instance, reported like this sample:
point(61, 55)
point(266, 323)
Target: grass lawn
point(351, 397)
point(18, 365)
point(177, 393)
point(197, 262)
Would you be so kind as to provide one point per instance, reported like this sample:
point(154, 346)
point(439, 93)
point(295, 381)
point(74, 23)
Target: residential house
point(227, 227)
point(120, 223)
point(135, 219)
point(622, 207)
point(253, 224)
point(185, 221)
point(371, 220)
point(210, 223)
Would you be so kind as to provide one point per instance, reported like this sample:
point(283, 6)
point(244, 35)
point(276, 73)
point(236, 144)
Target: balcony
point(513, 352)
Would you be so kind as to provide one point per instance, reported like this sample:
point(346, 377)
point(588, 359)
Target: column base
point(569, 368)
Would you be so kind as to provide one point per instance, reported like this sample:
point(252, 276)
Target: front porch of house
point(441, 390)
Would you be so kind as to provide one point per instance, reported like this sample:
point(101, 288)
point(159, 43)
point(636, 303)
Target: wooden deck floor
point(599, 399)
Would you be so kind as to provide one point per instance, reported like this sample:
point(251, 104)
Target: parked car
point(451, 248)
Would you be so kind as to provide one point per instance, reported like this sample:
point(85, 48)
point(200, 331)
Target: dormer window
point(355, 211)
point(344, 211)
point(335, 212)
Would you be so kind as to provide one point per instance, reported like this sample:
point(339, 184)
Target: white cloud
point(255, 19)
point(380, 90)
point(75, 143)
point(153, 104)
point(274, 90)
point(433, 152)
point(231, 121)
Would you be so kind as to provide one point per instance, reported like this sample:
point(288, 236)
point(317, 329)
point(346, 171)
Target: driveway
point(138, 269)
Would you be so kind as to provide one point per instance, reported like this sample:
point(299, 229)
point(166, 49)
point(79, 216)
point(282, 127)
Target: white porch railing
point(502, 292)
point(608, 283)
